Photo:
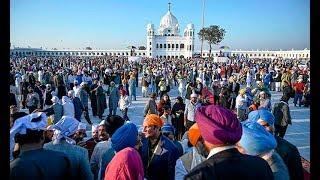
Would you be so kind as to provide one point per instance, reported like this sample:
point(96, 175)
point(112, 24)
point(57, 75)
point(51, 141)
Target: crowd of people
point(221, 125)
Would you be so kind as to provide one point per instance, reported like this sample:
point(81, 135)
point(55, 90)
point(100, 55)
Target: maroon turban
point(218, 125)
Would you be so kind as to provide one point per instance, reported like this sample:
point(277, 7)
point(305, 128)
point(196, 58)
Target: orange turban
point(194, 134)
point(153, 120)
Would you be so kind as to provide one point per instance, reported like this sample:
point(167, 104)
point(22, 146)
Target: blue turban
point(168, 128)
point(263, 114)
point(125, 136)
point(255, 139)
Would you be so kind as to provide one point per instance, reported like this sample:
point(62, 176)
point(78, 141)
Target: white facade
point(168, 42)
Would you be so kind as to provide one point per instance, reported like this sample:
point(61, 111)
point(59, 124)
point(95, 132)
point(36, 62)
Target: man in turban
point(256, 141)
point(33, 161)
point(63, 141)
point(105, 130)
point(288, 152)
point(125, 136)
point(158, 153)
point(191, 159)
point(221, 130)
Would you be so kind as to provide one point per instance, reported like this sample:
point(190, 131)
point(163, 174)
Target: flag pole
point(203, 5)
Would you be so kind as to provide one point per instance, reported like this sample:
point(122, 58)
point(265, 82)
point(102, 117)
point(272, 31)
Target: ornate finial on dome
point(169, 5)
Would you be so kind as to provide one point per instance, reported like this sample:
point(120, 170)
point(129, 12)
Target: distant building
point(166, 43)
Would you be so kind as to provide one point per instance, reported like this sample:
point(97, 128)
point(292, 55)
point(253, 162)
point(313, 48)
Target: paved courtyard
point(298, 133)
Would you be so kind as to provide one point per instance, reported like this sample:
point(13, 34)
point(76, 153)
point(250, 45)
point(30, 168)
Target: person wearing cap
point(299, 88)
point(114, 96)
point(63, 141)
point(191, 159)
point(151, 105)
point(33, 161)
point(288, 152)
point(158, 153)
point(105, 130)
point(241, 105)
point(84, 98)
point(190, 110)
point(80, 133)
point(91, 143)
point(257, 141)
point(221, 130)
point(282, 116)
point(123, 137)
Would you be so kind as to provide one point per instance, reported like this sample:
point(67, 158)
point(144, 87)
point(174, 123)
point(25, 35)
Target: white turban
point(28, 122)
point(65, 99)
point(94, 127)
point(82, 126)
point(64, 128)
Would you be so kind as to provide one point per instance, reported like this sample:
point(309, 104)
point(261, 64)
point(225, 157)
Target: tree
point(213, 35)
point(88, 48)
point(142, 48)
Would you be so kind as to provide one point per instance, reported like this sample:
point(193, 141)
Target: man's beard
point(202, 150)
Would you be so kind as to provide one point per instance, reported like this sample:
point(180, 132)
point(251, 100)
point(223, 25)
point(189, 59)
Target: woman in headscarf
point(257, 141)
point(177, 117)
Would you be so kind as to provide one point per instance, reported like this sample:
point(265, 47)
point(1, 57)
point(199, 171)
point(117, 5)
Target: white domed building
point(167, 42)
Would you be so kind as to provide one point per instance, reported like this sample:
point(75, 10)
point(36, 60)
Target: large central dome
point(168, 21)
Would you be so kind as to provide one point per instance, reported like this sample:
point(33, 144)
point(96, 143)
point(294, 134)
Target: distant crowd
point(221, 125)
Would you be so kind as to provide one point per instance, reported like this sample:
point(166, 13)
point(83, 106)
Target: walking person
point(101, 100)
point(151, 106)
point(132, 88)
point(298, 87)
point(93, 97)
point(177, 117)
point(84, 98)
point(189, 113)
point(124, 104)
point(113, 94)
point(282, 116)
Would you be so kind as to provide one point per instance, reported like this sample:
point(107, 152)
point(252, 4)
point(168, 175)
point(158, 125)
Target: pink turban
point(218, 125)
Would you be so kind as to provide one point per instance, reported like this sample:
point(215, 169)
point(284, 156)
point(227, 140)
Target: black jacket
point(231, 164)
point(291, 157)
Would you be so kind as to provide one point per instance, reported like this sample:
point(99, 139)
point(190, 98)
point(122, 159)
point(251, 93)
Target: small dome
point(190, 26)
point(150, 26)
